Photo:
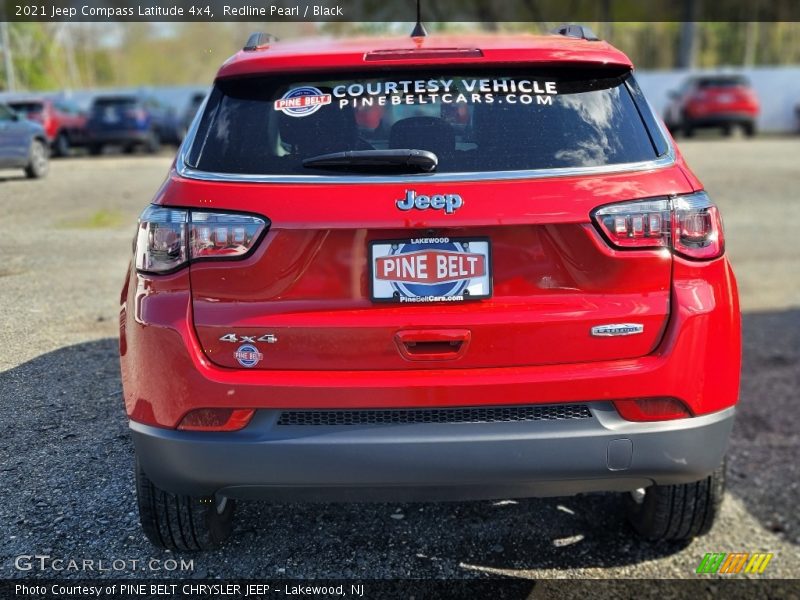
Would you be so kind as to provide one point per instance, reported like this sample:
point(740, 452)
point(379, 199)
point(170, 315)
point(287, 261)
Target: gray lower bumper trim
point(434, 461)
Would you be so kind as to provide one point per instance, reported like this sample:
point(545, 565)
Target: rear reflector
point(651, 409)
point(423, 53)
point(690, 225)
point(216, 419)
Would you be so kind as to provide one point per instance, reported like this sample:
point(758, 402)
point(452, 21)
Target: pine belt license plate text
point(430, 269)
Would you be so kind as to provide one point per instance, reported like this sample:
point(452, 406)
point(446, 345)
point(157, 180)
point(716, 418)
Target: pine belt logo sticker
point(734, 562)
point(302, 101)
point(248, 355)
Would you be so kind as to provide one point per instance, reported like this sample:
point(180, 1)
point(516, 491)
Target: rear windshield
point(722, 82)
point(473, 122)
point(118, 103)
point(27, 107)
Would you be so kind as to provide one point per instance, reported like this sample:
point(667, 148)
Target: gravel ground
point(65, 456)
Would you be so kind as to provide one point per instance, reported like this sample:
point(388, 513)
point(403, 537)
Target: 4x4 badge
point(449, 203)
point(267, 338)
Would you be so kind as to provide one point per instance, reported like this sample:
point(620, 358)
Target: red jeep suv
point(427, 269)
point(723, 101)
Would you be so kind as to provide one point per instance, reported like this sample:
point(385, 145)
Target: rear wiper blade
point(405, 159)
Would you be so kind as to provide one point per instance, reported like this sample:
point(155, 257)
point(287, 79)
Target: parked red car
point(720, 101)
point(532, 299)
point(63, 122)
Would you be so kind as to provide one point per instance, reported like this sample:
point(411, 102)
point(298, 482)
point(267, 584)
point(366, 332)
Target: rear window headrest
point(331, 123)
point(423, 133)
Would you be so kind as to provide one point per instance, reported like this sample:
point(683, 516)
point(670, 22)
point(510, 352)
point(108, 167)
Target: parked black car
point(130, 121)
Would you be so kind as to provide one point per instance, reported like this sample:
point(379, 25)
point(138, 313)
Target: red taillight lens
point(168, 239)
point(161, 240)
point(651, 409)
point(216, 419)
point(690, 225)
point(639, 224)
point(696, 227)
point(221, 235)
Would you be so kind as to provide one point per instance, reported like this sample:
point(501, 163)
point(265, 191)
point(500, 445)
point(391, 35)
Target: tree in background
point(57, 56)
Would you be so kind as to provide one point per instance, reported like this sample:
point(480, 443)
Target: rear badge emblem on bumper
point(248, 356)
point(268, 338)
point(617, 329)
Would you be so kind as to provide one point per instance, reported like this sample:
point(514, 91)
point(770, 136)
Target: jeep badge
point(447, 202)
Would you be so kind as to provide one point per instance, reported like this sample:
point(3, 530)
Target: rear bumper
point(165, 372)
point(433, 461)
point(719, 119)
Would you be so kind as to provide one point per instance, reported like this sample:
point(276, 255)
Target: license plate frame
point(476, 284)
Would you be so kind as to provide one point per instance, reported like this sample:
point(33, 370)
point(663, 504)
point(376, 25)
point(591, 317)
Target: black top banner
point(572, 11)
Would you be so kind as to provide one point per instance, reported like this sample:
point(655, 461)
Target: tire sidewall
point(62, 145)
point(153, 145)
point(38, 159)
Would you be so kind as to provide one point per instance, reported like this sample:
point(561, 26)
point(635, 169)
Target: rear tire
point(180, 522)
point(95, 149)
point(749, 129)
point(38, 160)
point(61, 146)
point(677, 512)
point(153, 144)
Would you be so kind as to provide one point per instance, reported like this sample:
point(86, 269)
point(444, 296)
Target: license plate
point(110, 115)
point(425, 269)
point(725, 98)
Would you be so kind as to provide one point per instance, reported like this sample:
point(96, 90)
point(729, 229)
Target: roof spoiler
point(259, 41)
point(579, 32)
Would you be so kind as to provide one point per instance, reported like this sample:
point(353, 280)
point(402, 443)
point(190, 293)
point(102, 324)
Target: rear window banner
point(306, 100)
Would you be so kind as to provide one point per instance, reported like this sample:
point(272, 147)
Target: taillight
point(222, 235)
point(168, 238)
point(216, 419)
point(696, 227)
point(161, 240)
point(422, 53)
point(639, 224)
point(651, 409)
point(137, 114)
point(690, 225)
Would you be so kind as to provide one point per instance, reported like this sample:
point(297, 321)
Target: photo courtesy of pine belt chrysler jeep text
point(428, 268)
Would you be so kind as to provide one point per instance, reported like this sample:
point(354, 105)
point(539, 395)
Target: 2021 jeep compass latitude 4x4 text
point(410, 269)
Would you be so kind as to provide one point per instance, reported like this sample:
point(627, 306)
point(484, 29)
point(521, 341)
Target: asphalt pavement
point(66, 459)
